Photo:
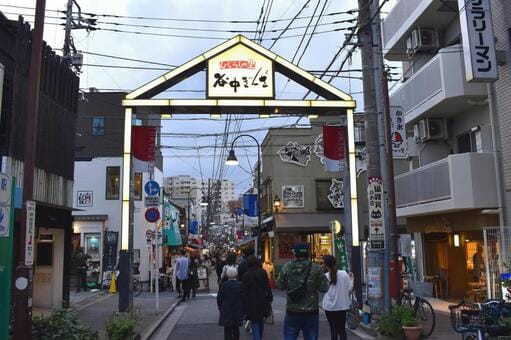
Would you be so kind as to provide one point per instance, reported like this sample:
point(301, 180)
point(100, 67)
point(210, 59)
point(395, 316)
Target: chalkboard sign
point(110, 250)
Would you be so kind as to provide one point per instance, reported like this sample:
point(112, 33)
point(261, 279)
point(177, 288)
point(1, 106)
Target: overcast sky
point(175, 50)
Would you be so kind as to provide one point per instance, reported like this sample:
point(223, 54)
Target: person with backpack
point(258, 296)
point(337, 300)
point(230, 262)
point(303, 281)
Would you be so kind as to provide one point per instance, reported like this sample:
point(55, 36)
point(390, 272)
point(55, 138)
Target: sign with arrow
point(376, 227)
point(152, 188)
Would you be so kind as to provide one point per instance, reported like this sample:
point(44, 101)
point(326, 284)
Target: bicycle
point(474, 320)
point(136, 285)
point(422, 310)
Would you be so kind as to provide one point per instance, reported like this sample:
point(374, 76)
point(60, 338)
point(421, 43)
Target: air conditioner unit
point(422, 40)
point(430, 129)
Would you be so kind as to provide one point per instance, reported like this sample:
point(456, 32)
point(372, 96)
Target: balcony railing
point(397, 18)
point(458, 182)
point(438, 88)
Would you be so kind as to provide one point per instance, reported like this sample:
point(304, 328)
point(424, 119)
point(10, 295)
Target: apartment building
point(449, 194)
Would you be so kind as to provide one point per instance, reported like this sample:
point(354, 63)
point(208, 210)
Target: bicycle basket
point(465, 317)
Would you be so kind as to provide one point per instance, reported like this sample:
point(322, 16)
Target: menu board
point(110, 250)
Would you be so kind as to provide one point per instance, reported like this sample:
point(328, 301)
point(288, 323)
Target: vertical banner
point(398, 133)
point(341, 254)
point(143, 146)
point(376, 227)
point(30, 235)
point(478, 40)
point(334, 148)
point(250, 209)
point(7, 190)
point(193, 229)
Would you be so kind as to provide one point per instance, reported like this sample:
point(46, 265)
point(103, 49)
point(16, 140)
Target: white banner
point(376, 226)
point(478, 40)
point(30, 234)
point(398, 133)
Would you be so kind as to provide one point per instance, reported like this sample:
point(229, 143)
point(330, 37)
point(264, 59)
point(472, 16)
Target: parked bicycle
point(475, 320)
point(136, 285)
point(422, 310)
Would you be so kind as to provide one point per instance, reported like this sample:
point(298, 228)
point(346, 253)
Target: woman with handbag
point(336, 300)
point(258, 296)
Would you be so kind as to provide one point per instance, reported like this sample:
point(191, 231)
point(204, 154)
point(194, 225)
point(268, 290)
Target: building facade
point(53, 174)
point(447, 191)
point(98, 174)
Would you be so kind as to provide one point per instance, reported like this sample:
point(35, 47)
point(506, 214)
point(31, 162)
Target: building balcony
point(459, 182)
point(438, 89)
point(407, 15)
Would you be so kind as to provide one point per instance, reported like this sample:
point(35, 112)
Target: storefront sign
point(398, 133)
point(110, 239)
point(376, 227)
point(30, 234)
point(240, 72)
point(292, 196)
point(341, 254)
point(374, 282)
point(336, 193)
point(478, 40)
point(84, 198)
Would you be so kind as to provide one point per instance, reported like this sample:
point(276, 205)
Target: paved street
point(198, 319)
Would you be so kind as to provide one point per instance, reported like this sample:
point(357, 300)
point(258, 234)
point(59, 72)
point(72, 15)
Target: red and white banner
point(333, 148)
point(143, 144)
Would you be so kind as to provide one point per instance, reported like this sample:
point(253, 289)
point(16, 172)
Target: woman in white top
point(337, 300)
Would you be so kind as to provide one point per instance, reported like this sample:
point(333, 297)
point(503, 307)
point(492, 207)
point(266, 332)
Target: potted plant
point(411, 327)
point(390, 324)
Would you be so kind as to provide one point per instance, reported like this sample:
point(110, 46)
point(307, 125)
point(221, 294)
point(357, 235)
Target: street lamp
point(203, 203)
point(232, 160)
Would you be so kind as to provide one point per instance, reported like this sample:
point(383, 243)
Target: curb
point(147, 334)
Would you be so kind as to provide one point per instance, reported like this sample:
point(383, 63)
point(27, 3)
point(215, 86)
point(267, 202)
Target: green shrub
point(390, 323)
point(60, 325)
point(122, 326)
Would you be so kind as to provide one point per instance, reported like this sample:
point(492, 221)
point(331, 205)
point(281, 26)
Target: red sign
point(152, 215)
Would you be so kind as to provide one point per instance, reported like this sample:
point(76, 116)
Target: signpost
point(152, 215)
point(7, 189)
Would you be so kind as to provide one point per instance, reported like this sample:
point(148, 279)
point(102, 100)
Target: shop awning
point(302, 222)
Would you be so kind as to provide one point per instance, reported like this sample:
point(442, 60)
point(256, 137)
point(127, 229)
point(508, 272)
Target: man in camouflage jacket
point(302, 314)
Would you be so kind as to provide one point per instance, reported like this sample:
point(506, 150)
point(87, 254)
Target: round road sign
point(149, 233)
point(152, 215)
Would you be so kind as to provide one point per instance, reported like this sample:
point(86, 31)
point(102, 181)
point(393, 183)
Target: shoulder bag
point(297, 293)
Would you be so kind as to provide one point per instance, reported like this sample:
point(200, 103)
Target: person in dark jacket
point(81, 269)
point(242, 268)
point(194, 274)
point(230, 303)
point(258, 296)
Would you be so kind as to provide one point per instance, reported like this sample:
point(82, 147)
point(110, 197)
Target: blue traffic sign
point(152, 215)
point(152, 188)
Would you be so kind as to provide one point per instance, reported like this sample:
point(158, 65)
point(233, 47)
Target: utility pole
point(82, 23)
point(24, 273)
point(365, 39)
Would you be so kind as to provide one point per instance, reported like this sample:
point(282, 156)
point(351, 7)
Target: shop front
point(312, 228)
point(455, 256)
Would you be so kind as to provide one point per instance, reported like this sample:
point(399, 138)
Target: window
point(469, 142)
point(98, 126)
point(112, 182)
point(137, 191)
point(92, 245)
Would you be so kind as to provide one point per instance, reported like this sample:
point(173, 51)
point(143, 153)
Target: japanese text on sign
point(240, 72)
point(30, 235)
point(478, 40)
point(398, 133)
point(376, 227)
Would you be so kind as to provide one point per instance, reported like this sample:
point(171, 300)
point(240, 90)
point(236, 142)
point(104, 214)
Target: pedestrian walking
point(81, 267)
point(230, 303)
point(242, 267)
point(219, 267)
point(336, 301)
point(193, 275)
point(302, 280)
point(258, 296)
point(230, 262)
point(182, 284)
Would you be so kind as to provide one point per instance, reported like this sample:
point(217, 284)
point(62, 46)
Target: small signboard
point(398, 133)
point(30, 235)
point(110, 240)
point(151, 201)
point(376, 226)
point(152, 215)
point(152, 188)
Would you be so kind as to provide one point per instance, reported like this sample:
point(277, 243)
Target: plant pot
point(412, 332)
